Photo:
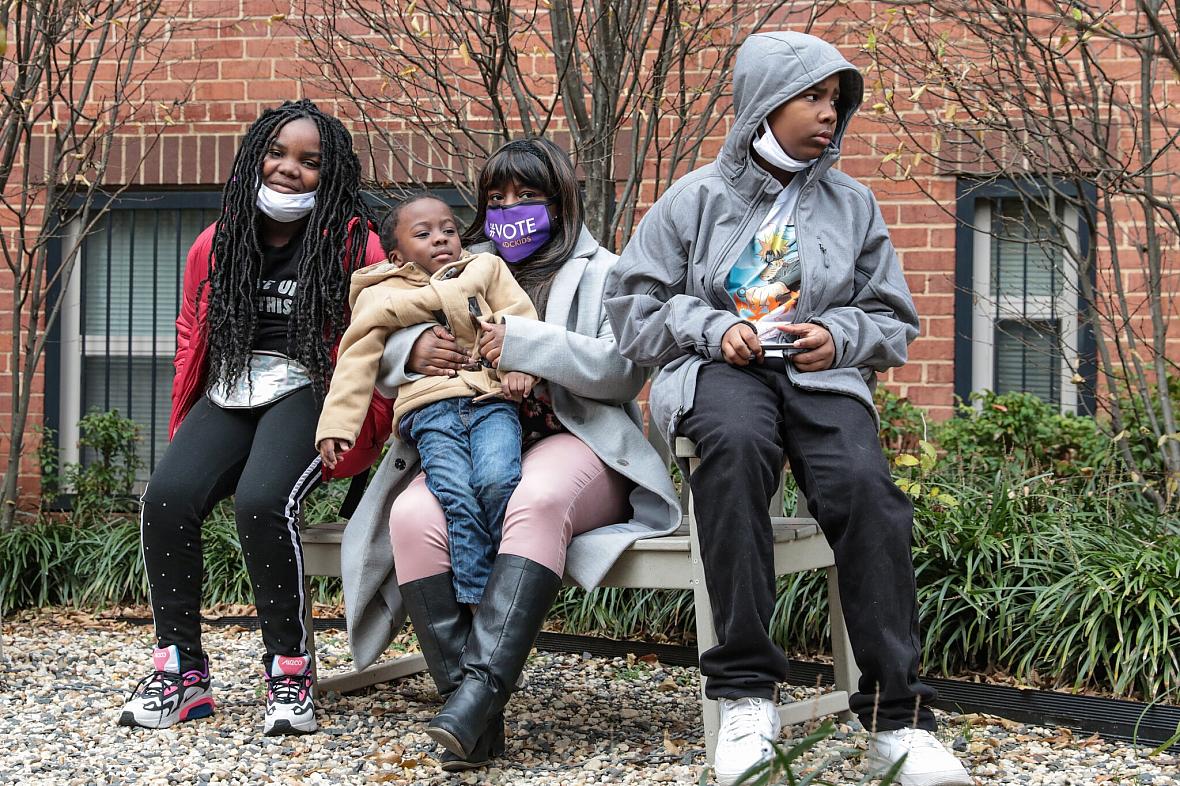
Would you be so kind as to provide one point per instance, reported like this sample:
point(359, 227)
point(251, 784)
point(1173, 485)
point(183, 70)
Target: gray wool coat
point(592, 388)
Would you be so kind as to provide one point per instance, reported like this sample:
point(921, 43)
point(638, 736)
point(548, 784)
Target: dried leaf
point(392, 756)
point(671, 745)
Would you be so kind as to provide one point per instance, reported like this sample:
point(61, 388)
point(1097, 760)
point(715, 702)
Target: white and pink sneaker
point(289, 706)
point(166, 697)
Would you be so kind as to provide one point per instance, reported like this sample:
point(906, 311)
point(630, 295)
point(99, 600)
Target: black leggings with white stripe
point(265, 457)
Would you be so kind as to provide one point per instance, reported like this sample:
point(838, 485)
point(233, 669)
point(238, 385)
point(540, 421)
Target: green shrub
point(1022, 429)
point(626, 613)
point(902, 423)
point(39, 565)
point(103, 484)
point(48, 463)
point(1029, 575)
point(98, 560)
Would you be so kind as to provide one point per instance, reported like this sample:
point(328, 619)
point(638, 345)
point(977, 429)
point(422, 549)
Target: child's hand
point(491, 342)
point(740, 345)
point(517, 385)
point(331, 451)
point(813, 345)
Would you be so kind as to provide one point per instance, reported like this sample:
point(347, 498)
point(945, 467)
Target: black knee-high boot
point(442, 625)
point(515, 602)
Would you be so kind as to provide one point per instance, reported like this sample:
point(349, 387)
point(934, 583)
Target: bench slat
point(785, 530)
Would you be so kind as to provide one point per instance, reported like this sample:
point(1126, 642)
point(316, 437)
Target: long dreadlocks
point(318, 311)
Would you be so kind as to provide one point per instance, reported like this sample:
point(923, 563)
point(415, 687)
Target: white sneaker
point(166, 697)
point(747, 728)
point(289, 706)
point(927, 761)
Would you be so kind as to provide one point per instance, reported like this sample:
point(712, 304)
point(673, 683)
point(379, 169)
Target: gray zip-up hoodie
point(667, 300)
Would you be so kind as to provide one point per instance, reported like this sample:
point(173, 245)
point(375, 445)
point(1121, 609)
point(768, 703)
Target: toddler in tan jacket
point(466, 427)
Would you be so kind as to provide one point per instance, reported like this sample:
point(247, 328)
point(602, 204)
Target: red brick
point(171, 162)
point(207, 161)
point(932, 348)
point(220, 90)
point(910, 237)
point(911, 372)
point(926, 396)
point(940, 372)
point(276, 90)
point(938, 326)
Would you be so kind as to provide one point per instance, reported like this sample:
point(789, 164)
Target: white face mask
point(284, 208)
point(772, 152)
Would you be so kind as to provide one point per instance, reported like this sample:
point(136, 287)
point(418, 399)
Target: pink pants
point(564, 490)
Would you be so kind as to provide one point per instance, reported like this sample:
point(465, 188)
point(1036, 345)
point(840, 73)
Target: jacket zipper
point(712, 273)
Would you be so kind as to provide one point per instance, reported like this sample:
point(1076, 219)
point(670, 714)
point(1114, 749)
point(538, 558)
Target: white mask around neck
point(772, 152)
point(284, 208)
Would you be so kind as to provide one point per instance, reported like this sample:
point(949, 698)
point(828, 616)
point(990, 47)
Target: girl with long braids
point(265, 298)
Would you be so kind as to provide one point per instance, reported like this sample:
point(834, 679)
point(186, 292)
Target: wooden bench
point(667, 562)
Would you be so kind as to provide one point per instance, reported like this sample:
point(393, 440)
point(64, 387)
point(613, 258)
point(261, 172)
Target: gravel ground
point(579, 720)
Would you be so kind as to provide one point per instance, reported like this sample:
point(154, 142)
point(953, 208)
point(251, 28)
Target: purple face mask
point(517, 231)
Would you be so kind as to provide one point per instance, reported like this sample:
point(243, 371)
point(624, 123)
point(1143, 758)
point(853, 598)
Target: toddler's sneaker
point(927, 761)
point(747, 728)
point(289, 708)
point(166, 696)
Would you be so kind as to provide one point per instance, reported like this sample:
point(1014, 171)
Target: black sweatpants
point(744, 421)
point(266, 459)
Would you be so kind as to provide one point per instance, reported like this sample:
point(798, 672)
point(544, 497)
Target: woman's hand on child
point(740, 345)
point(491, 342)
point(331, 451)
point(814, 348)
point(437, 354)
point(517, 385)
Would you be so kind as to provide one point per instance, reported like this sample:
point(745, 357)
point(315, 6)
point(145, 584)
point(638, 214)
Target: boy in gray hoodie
point(766, 289)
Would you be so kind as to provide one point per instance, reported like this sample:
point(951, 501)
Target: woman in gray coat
point(591, 483)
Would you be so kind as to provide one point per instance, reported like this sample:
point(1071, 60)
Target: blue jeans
point(471, 456)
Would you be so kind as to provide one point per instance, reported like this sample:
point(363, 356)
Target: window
point(1018, 321)
point(117, 330)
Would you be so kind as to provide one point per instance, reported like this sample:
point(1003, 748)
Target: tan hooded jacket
point(385, 298)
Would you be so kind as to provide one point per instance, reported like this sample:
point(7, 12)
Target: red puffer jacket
point(192, 359)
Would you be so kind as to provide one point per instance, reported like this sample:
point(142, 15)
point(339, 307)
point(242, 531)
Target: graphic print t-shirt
point(276, 295)
point(764, 282)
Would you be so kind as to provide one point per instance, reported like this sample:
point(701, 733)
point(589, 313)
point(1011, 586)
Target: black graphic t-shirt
point(276, 295)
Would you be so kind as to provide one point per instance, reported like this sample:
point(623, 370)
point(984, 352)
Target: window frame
point(66, 353)
point(976, 308)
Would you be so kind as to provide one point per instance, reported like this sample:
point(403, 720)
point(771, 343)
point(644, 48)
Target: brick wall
point(230, 59)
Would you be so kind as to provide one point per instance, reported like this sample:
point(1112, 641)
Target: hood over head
point(772, 68)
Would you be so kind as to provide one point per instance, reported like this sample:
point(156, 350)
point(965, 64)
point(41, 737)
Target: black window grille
point(1018, 306)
